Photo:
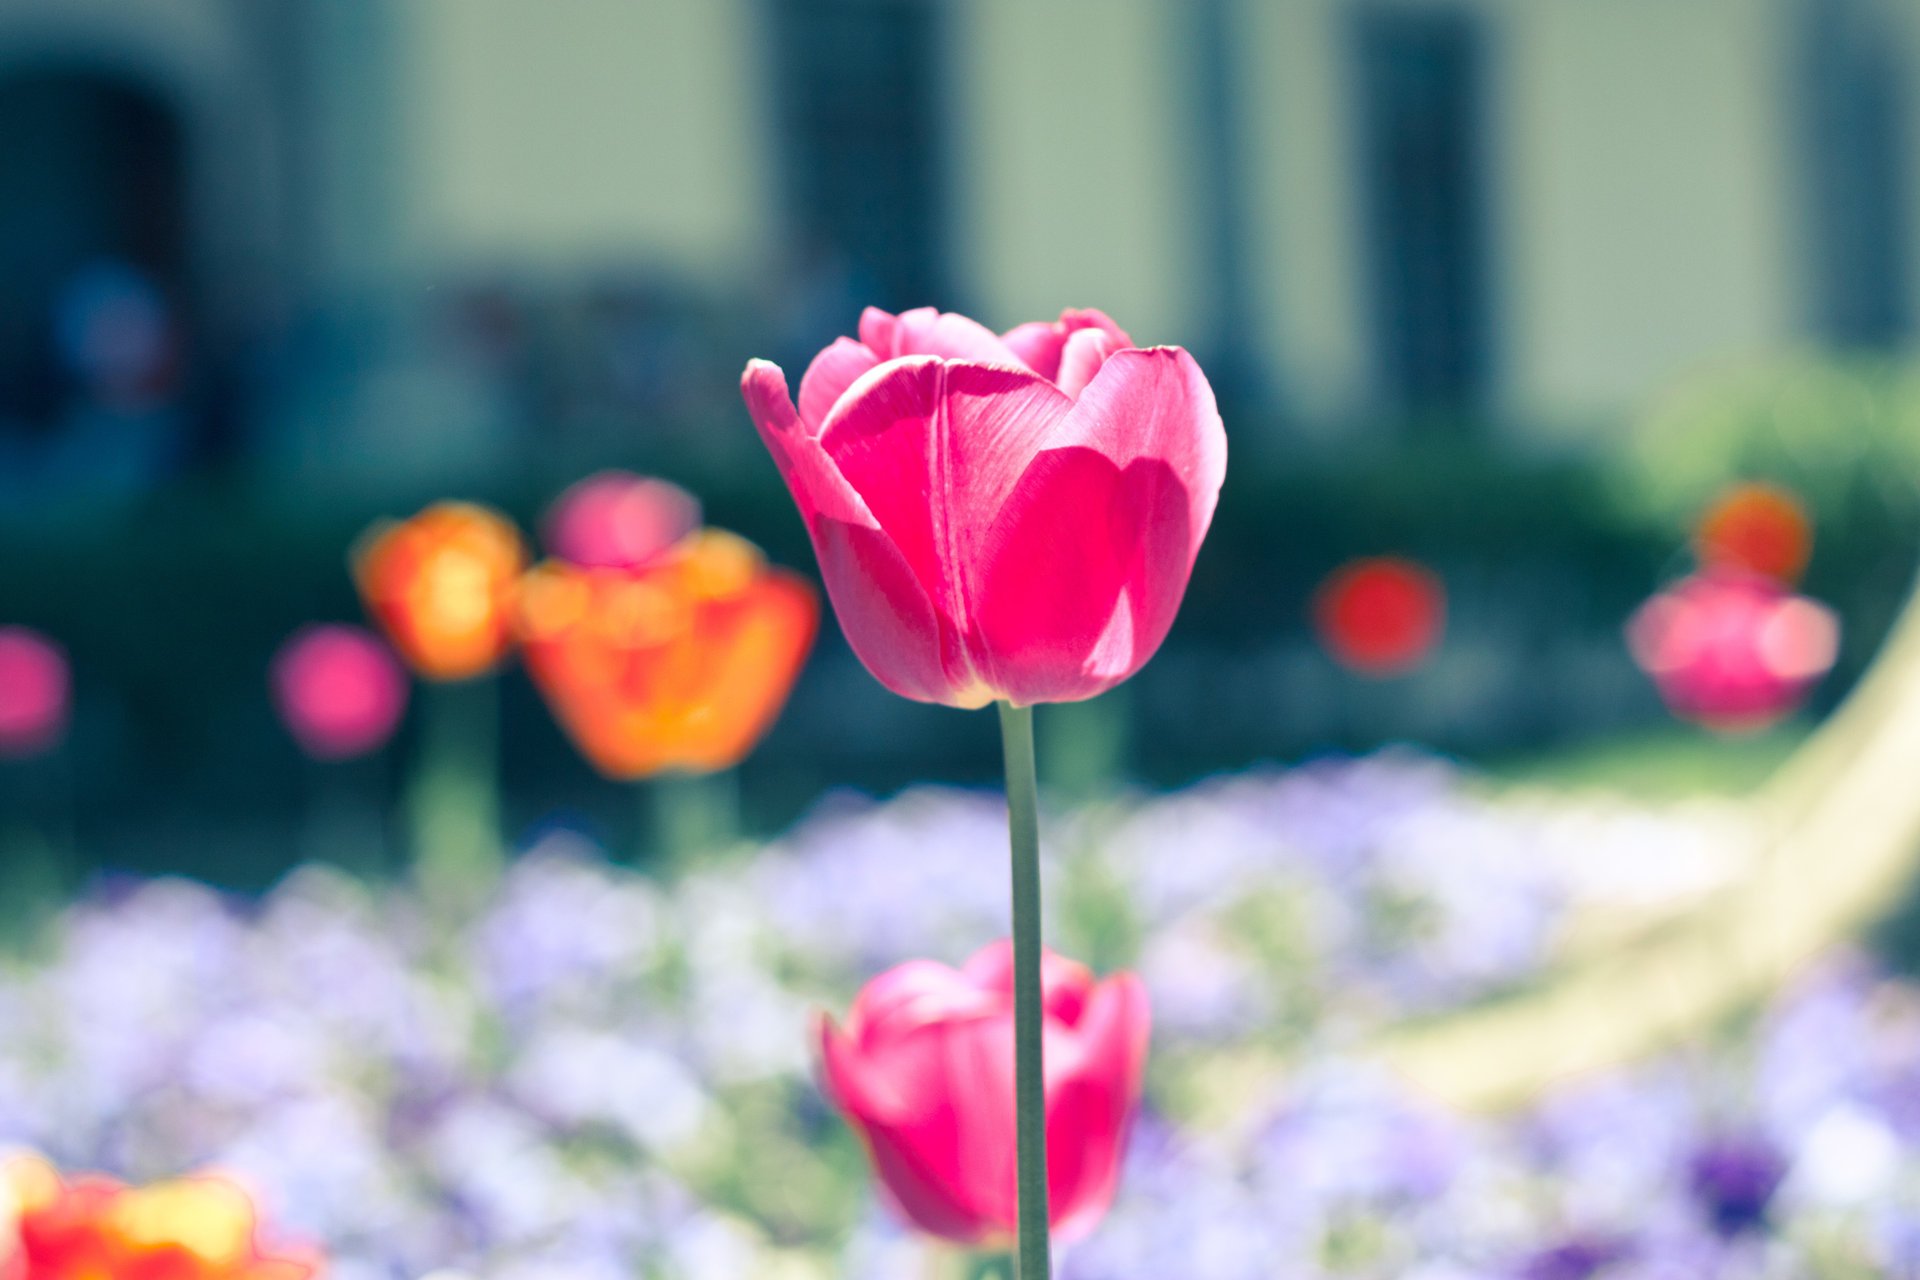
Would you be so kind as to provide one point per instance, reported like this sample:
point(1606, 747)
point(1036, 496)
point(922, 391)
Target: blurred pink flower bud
point(339, 689)
point(618, 520)
point(998, 518)
point(34, 689)
point(924, 1070)
point(1733, 651)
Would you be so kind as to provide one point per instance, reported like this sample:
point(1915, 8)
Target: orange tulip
point(441, 586)
point(682, 664)
point(1760, 528)
point(93, 1228)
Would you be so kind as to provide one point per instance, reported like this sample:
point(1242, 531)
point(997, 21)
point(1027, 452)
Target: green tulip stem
point(454, 796)
point(1030, 1103)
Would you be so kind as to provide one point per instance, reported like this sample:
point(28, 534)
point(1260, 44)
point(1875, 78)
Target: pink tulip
point(618, 520)
point(34, 687)
point(998, 517)
point(1733, 651)
point(340, 691)
point(924, 1071)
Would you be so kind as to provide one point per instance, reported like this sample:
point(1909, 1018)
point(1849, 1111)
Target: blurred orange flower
point(93, 1228)
point(1760, 528)
point(441, 586)
point(682, 664)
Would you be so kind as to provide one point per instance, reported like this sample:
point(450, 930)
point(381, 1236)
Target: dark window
point(92, 245)
point(859, 105)
point(1422, 102)
point(1856, 147)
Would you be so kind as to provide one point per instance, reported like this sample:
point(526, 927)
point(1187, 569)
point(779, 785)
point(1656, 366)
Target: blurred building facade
point(1523, 211)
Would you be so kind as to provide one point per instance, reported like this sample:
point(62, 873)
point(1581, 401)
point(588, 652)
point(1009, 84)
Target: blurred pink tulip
point(34, 689)
point(1731, 650)
point(924, 1071)
point(618, 520)
point(340, 691)
point(998, 518)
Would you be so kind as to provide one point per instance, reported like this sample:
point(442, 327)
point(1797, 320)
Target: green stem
point(692, 814)
point(454, 799)
point(1029, 1090)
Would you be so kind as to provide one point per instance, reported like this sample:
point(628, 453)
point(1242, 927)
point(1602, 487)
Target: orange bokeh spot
point(1760, 528)
point(1380, 616)
point(441, 585)
point(679, 665)
point(94, 1228)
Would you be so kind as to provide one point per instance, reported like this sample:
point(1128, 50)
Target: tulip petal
point(829, 376)
point(1091, 1100)
point(915, 1141)
point(913, 994)
point(1064, 983)
point(1082, 357)
point(934, 448)
point(925, 331)
point(1081, 573)
point(1040, 344)
point(1155, 403)
point(887, 616)
point(980, 1076)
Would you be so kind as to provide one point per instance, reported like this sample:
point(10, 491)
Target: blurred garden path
point(1840, 838)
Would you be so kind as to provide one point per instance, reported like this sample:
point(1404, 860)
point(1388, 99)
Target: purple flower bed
point(602, 1075)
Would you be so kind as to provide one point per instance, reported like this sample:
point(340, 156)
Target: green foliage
point(1837, 432)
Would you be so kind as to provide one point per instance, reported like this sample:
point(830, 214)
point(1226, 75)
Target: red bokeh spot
point(1380, 616)
point(1758, 528)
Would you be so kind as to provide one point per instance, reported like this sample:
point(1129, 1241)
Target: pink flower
point(618, 520)
point(998, 517)
point(1733, 651)
point(924, 1071)
point(34, 687)
point(339, 689)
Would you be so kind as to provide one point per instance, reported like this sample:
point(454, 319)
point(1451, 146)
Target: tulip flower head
point(34, 691)
point(441, 586)
point(998, 517)
point(924, 1071)
point(683, 664)
point(1380, 616)
point(339, 690)
point(1756, 528)
point(1732, 651)
point(618, 520)
point(93, 1228)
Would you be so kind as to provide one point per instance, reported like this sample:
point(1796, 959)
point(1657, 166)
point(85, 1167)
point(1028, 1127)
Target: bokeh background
point(270, 270)
point(1510, 287)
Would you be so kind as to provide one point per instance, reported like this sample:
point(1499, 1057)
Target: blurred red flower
point(1733, 651)
point(683, 664)
point(1759, 528)
point(1381, 615)
point(340, 690)
point(34, 689)
point(618, 520)
point(924, 1071)
point(441, 586)
point(93, 1228)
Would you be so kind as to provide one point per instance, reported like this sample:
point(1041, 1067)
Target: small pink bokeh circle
point(35, 687)
point(618, 520)
point(339, 689)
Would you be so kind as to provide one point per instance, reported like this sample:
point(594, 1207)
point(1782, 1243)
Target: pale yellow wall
point(1642, 193)
point(1069, 183)
point(1303, 226)
point(572, 133)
